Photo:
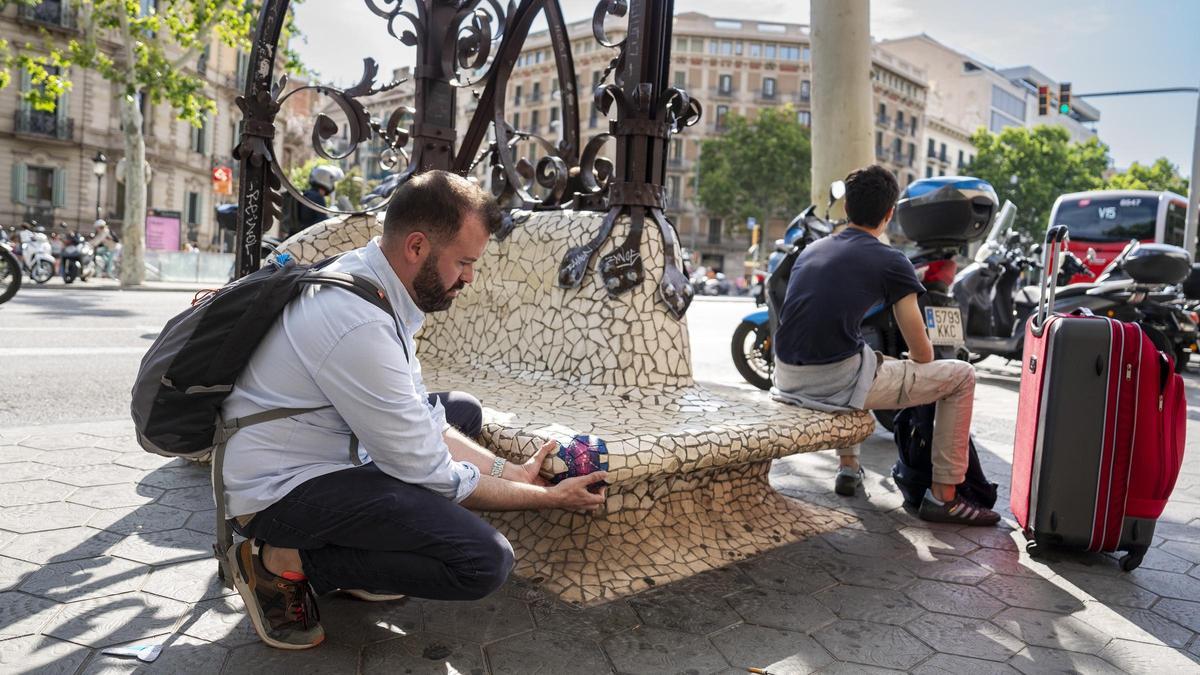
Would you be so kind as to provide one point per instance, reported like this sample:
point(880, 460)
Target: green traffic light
point(1064, 108)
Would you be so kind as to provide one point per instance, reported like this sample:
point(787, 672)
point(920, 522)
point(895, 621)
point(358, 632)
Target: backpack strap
point(363, 288)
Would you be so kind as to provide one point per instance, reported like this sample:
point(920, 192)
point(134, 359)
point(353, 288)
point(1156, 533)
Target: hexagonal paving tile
point(1040, 594)
point(777, 609)
point(485, 620)
point(328, 659)
point(99, 474)
point(189, 582)
point(868, 544)
point(1186, 550)
point(545, 651)
point(1158, 559)
point(947, 664)
point(1167, 584)
point(42, 655)
point(993, 537)
point(73, 543)
point(1046, 629)
point(770, 572)
point(144, 461)
point(117, 618)
point(1128, 623)
point(1111, 590)
point(348, 620)
point(223, 621)
point(1045, 661)
point(770, 649)
point(22, 471)
point(719, 582)
point(161, 548)
point(844, 668)
point(83, 579)
point(421, 653)
point(22, 614)
point(860, 570)
point(60, 441)
point(698, 613)
point(965, 637)
point(656, 650)
point(189, 499)
point(172, 477)
point(180, 654)
point(10, 454)
point(114, 496)
point(1185, 612)
point(869, 604)
point(872, 643)
point(33, 492)
point(1178, 532)
point(5, 538)
point(594, 623)
point(929, 542)
point(126, 443)
point(949, 568)
point(75, 458)
point(1141, 658)
point(13, 572)
point(1012, 563)
point(135, 519)
point(203, 521)
point(956, 599)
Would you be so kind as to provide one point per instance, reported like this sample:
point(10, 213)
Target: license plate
point(944, 325)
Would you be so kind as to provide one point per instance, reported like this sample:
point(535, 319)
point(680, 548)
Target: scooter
point(78, 259)
point(751, 347)
point(36, 259)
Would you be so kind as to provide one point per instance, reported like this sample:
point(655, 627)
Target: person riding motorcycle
point(322, 181)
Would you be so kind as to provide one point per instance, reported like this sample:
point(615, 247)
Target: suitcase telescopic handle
point(1056, 241)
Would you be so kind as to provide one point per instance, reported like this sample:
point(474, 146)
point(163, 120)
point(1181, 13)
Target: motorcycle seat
point(1033, 294)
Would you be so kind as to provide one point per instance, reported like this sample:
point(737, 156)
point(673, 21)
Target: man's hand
point(530, 471)
point(573, 494)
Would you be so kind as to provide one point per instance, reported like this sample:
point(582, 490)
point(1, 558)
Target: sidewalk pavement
point(94, 284)
point(102, 544)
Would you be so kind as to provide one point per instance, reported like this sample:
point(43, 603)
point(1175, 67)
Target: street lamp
point(99, 166)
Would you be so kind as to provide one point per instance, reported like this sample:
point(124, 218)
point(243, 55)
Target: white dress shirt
point(332, 348)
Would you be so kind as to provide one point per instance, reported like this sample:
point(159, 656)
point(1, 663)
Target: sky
point(1097, 45)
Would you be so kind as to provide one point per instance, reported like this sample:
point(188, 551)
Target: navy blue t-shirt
point(834, 283)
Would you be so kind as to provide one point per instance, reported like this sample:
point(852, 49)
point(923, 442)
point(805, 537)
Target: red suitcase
point(1100, 430)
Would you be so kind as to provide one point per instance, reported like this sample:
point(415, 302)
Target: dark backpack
point(192, 366)
point(913, 471)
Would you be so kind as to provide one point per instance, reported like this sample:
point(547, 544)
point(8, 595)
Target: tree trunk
point(133, 239)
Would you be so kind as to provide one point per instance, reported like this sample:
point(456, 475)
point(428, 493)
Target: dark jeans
point(362, 529)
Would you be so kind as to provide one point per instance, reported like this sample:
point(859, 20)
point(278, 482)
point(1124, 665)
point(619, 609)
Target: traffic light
point(1064, 98)
point(1043, 100)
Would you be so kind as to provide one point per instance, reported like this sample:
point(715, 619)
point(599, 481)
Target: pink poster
point(162, 233)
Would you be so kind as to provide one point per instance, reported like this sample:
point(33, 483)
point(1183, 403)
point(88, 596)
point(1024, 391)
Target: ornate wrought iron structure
point(474, 45)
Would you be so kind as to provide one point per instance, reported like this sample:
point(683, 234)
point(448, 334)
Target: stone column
point(842, 109)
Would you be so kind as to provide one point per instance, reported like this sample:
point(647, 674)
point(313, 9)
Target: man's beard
point(429, 294)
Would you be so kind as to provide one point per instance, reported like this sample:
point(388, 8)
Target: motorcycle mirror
point(837, 190)
point(781, 245)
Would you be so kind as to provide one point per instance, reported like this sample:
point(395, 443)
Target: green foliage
point(1046, 164)
point(1161, 175)
point(760, 168)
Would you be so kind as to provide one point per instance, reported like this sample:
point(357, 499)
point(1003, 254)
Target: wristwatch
point(498, 467)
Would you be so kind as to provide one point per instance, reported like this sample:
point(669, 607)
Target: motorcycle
point(10, 270)
point(78, 259)
point(36, 259)
point(751, 347)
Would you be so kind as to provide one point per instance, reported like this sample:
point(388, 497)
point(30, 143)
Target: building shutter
point(26, 85)
point(60, 188)
point(19, 180)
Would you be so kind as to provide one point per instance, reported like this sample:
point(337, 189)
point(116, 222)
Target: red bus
point(1101, 222)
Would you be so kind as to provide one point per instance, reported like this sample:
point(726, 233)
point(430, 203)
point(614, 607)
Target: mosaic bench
point(688, 465)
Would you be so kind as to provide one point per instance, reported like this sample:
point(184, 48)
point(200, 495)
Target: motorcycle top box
point(1157, 264)
point(1191, 286)
point(948, 210)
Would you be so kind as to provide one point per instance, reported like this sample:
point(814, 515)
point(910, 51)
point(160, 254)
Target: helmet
point(99, 223)
point(325, 176)
point(949, 210)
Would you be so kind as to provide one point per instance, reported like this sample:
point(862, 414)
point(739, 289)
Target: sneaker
point(368, 596)
point(848, 480)
point(957, 511)
point(282, 608)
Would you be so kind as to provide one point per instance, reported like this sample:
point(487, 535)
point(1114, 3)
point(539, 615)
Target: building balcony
point(767, 100)
point(883, 121)
point(898, 156)
point(51, 13)
point(722, 93)
point(901, 130)
point(880, 153)
point(46, 125)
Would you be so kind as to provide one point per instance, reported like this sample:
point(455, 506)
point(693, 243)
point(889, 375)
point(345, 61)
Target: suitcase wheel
point(1032, 548)
point(1130, 561)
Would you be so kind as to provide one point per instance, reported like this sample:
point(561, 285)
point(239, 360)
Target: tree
point(149, 55)
point(1032, 167)
point(759, 168)
point(1159, 176)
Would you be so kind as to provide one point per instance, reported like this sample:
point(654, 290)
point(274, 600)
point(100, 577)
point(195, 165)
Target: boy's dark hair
point(870, 193)
point(436, 203)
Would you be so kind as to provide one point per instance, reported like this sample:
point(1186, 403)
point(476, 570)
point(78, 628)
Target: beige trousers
point(947, 382)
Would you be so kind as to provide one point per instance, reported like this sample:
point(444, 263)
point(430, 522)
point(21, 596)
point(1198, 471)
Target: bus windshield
point(1108, 218)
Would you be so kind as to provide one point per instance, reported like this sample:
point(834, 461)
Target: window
point(768, 87)
point(1176, 220)
point(805, 54)
point(533, 121)
point(900, 119)
point(722, 113)
point(697, 44)
point(243, 68)
point(929, 172)
point(681, 44)
point(537, 91)
point(202, 62)
point(39, 185)
point(960, 158)
point(1008, 104)
point(725, 85)
point(805, 90)
point(726, 48)
point(193, 208)
point(714, 46)
point(789, 52)
point(932, 149)
point(804, 117)
point(999, 121)
point(942, 154)
point(738, 47)
point(673, 192)
point(677, 150)
point(200, 137)
point(878, 142)
point(755, 49)
point(554, 116)
point(680, 79)
point(912, 153)
point(769, 50)
point(727, 24)
point(517, 96)
point(714, 230)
